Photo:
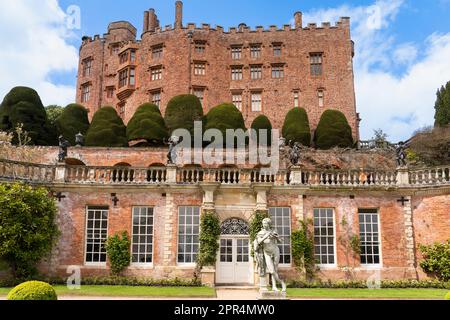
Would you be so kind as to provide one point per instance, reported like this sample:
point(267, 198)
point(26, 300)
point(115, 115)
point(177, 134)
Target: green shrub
point(209, 237)
point(296, 127)
point(106, 130)
point(73, 120)
point(262, 123)
point(118, 251)
point(147, 124)
point(361, 284)
point(27, 227)
point(333, 131)
point(224, 117)
point(33, 290)
point(23, 105)
point(436, 260)
point(182, 111)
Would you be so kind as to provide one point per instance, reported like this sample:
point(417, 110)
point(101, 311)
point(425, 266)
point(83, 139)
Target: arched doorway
point(234, 265)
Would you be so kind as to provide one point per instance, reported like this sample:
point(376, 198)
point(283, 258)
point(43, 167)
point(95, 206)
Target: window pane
point(369, 235)
point(142, 242)
point(281, 222)
point(324, 236)
point(188, 234)
point(96, 234)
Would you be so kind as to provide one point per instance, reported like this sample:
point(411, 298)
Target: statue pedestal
point(272, 295)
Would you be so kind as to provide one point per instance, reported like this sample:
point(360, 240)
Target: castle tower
point(178, 15)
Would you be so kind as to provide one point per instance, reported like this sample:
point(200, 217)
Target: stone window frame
point(277, 70)
point(255, 50)
point(253, 101)
point(200, 46)
point(372, 212)
point(157, 51)
point(326, 236)
point(158, 94)
point(156, 73)
point(200, 68)
point(110, 92)
point(195, 243)
point(104, 232)
point(236, 51)
point(240, 102)
point(129, 80)
point(121, 109)
point(277, 48)
point(115, 48)
point(321, 97)
point(146, 226)
point(196, 90)
point(296, 96)
point(87, 66)
point(237, 73)
point(283, 234)
point(124, 57)
point(316, 64)
point(256, 74)
point(86, 92)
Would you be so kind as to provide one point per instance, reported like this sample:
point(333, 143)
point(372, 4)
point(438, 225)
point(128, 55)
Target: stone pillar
point(152, 20)
point(296, 176)
point(402, 176)
point(60, 173)
point(299, 209)
point(171, 175)
point(146, 16)
point(178, 15)
point(298, 17)
point(409, 234)
point(168, 230)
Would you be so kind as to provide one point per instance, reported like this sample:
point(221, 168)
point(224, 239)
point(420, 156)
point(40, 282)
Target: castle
point(261, 71)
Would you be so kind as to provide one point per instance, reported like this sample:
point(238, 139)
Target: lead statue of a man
point(267, 254)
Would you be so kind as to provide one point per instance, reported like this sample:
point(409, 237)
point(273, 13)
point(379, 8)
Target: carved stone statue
point(172, 154)
point(267, 254)
point(294, 153)
point(63, 145)
point(401, 154)
point(79, 139)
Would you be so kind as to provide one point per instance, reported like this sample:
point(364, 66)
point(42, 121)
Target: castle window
point(123, 78)
point(237, 100)
point(321, 96)
point(156, 98)
point(256, 101)
point(132, 76)
point(316, 64)
point(277, 71)
point(87, 67)
point(200, 46)
point(156, 73)
point(110, 92)
point(256, 72)
point(132, 56)
point(255, 51)
point(157, 51)
point(85, 92)
point(369, 234)
point(96, 235)
point(281, 220)
point(236, 52)
point(123, 58)
point(121, 109)
point(236, 73)
point(296, 99)
point(142, 238)
point(324, 247)
point(199, 68)
point(188, 234)
point(115, 49)
point(277, 48)
point(200, 94)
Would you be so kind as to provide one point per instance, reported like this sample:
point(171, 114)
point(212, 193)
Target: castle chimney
point(298, 20)
point(178, 15)
point(146, 15)
point(152, 20)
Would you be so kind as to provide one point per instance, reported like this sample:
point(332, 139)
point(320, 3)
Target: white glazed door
point(233, 266)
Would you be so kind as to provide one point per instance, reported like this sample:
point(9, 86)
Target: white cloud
point(397, 103)
point(34, 40)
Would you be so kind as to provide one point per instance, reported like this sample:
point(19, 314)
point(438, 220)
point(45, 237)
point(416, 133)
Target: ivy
point(118, 251)
point(436, 260)
point(256, 225)
point(352, 248)
point(302, 245)
point(209, 239)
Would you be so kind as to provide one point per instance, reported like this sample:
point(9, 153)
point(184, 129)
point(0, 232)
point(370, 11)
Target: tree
point(53, 113)
point(147, 124)
point(182, 111)
point(28, 230)
point(23, 105)
point(118, 251)
point(73, 120)
point(296, 127)
point(333, 131)
point(262, 123)
point(20, 151)
point(442, 106)
point(224, 117)
point(106, 130)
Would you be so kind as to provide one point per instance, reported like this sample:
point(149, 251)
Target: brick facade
point(180, 55)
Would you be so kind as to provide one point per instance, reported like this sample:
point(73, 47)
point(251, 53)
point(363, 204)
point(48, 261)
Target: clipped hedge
point(33, 290)
point(224, 117)
point(182, 111)
point(333, 131)
point(360, 284)
point(262, 123)
point(23, 105)
point(147, 124)
point(106, 130)
point(296, 127)
point(73, 120)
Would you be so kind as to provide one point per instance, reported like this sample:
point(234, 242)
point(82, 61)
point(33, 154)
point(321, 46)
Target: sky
point(402, 46)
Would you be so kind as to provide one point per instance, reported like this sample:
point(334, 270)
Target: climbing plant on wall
point(302, 243)
point(209, 239)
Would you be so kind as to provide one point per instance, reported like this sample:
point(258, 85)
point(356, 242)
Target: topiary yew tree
point(296, 127)
point(23, 105)
point(333, 131)
point(106, 129)
point(27, 227)
point(262, 123)
point(73, 120)
point(147, 124)
point(224, 117)
point(182, 111)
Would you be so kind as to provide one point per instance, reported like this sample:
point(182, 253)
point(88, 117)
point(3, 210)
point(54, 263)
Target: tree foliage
point(262, 123)
point(53, 113)
point(27, 227)
point(303, 250)
point(333, 131)
point(73, 120)
point(296, 127)
point(436, 260)
point(430, 147)
point(23, 105)
point(118, 251)
point(442, 106)
point(106, 129)
point(147, 124)
point(182, 111)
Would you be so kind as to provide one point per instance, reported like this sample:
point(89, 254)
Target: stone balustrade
point(47, 174)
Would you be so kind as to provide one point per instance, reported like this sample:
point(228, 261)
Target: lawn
point(127, 291)
point(368, 294)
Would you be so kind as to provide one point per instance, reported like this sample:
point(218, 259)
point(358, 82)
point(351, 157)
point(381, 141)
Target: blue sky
point(400, 61)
